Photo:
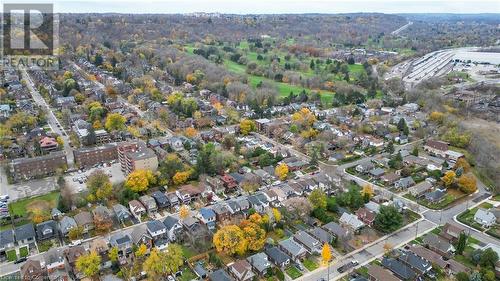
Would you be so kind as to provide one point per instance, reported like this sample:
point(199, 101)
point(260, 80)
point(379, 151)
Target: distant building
point(136, 156)
point(88, 157)
point(27, 168)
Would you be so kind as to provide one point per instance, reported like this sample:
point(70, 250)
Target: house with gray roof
point(259, 263)
point(420, 189)
point(123, 242)
point(84, 219)
point(435, 196)
point(351, 221)
point(140, 235)
point(173, 226)
point(46, 230)
point(149, 203)
point(417, 263)
point(220, 275)
point(438, 244)
point(156, 228)
point(121, 213)
point(66, 224)
point(54, 258)
point(336, 229)
point(311, 244)
point(161, 199)
point(277, 256)
point(25, 234)
point(241, 270)
point(292, 249)
point(321, 235)
point(404, 183)
point(399, 269)
point(56, 214)
point(484, 217)
point(6, 241)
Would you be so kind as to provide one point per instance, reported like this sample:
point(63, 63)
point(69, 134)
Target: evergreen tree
point(462, 242)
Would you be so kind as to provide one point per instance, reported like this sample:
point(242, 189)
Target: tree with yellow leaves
point(60, 141)
point(184, 212)
point(304, 118)
point(462, 163)
point(140, 180)
point(276, 215)
point(115, 122)
point(255, 236)
point(448, 178)
point(326, 254)
point(181, 177)
point(387, 248)
point(218, 106)
point(247, 126)
point(89, 264)
point(281, 171)
point(190, 132)
point(467, 183)
point(40, 216)
point(436, 116)
point(309, 133)
point(141, 251)
point(367, 191)
point(230, 239)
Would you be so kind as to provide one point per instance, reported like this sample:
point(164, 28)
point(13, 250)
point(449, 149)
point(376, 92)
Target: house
point(222, 213)
point(404, 183)
point(259, 263)
point(437, 148)
point(102, 214)
point(435, 196)
point(208, 217)
point(173, 227)
point(84, 220)
point(140, 235)
point(55, 214)
point(486, 218)
point(438, 244)
point(66, 224)
point(25, 234)
point(121, 213)
point(46, 230)
point(241, 270)
point(292, 249)
point(377, 172)
point(420, 189)
point(124, 244)
point(378, 273)
point(200, 271)
point(149, 203)
point(188, 193)
point(399, 268)
point(233, 207)
point(366, 216)
point(373, 206)
point(137, 209)
point(72, 254)
point(220, 275)
point(451, 232)
point(229, 182)
point(351, 221)
point(32, 270)
point(415, 262)
point(390, 178)
point(101, 247)
point(54, 259)
point(311, 244)
point(277, 256)
point(156, 229)
point(365, 167)
point(449, 265)
point(161, 199)
point(321, 235)
point(6, 241)
point(336, 230)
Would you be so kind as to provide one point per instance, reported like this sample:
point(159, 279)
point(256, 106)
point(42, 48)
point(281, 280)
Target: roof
point(436, 258)
point(277, 255)
point(351, 220)
point(155, 226)
point(435, 195)
point(322, 235)
point(439, 145)
point(25, 231)
point(138, 233)
point(46, 225)
point(380, 273)
point(415, 261)
point(406, 182)
point(399, 268)
point(119, 238)
point(220, 275)
point(54, 255)
point(160, 197)
point(484, 215)
point(6, 237)
point(292, 247)
point(437, 242)
point(335, 229)
point(207, 213)
point(421, 187)
point(200, 270)
point(307, 240)
point(83, 218)
point(242, 269)
point(170, 221)
point(259, 261)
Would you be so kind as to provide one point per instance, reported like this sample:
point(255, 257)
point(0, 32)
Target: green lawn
point(293, 272)
point(21, 208)
point(188, 252)
point(310, 264)
point(11, 255)
point(448, 199)
point(23, 252)
point(467, 217)
point(45, 246)
point(187, 275)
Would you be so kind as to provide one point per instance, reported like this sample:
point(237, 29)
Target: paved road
point(397, 31)
point(54, 124)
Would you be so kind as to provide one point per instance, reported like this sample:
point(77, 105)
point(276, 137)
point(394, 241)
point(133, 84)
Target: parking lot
point(77, 180)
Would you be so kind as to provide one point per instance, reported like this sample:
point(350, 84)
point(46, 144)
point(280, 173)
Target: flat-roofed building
point(90, 156)
point(136, 156)
point(27, 168)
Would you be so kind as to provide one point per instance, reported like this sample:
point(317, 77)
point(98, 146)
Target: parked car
point(347, 266)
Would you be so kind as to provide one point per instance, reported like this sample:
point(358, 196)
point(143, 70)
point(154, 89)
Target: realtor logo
point(29, 35)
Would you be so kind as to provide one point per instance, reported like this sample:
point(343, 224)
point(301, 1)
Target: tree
point(75, 233)
point(462, 242)
point(276, 215)
point(367, 191)
point(304, 118)
point(255, 236)
point(448, 178)
point(318, 199)
point(247, 126)
point(390, 147)
point(281, 171)
point(181, 177)
point(437, 117)
point(113, 254)
point(115, 122)
point(190, 132)
point(153, 265)
point(89, 264)
point(169, 167)
point(141, 251)
point(402, 127)
point(173, 258)
point(475, 276)
point(488, 258)
point(326, 254)
point(298, 206)
point(415, 151)
point(140, 180)
point(230, 240)
point(462, 163)
point(462, 276)
point(467, 183)
point(184, 212)
point(99, 186)
point(388, 219)
point(387, 248)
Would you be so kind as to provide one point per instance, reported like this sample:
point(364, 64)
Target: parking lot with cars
point(76, 180)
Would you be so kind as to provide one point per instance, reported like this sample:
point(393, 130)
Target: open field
point(45, 202)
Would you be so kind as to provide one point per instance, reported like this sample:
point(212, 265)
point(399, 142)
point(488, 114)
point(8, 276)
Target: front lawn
point(467, 218)
point(44, 246)
point(11, 255)
point(293, 272)
point(22, 207)
point(448, 199)
point(23, 252)
point(310, 264)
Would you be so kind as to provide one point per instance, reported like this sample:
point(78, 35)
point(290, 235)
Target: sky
point(271, 6)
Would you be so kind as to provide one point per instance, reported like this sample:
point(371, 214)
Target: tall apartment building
point(90, 156)
point(136, 156)
point(27, 168)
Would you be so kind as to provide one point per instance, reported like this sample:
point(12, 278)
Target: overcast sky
point(272, 6)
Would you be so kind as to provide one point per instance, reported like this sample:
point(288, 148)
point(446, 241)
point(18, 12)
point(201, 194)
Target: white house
point(485, 217)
